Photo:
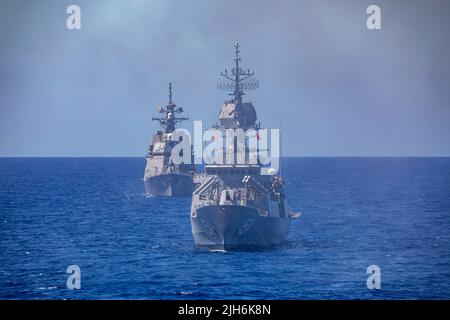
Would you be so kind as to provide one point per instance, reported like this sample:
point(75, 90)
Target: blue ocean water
point(92, 212)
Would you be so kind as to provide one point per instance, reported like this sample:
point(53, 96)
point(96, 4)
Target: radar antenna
point(238, 78)
point(169, 111)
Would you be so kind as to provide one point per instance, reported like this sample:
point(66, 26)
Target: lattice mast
point(237, 78)
point(169, 112)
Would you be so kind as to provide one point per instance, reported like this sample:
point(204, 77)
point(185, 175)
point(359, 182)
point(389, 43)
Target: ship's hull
point(230, 227)
point(169, 185)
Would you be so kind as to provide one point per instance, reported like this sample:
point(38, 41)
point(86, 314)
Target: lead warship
point(237, 206)
point(162, 177)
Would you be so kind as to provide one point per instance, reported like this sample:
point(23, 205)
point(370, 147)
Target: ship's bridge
point(241, 115)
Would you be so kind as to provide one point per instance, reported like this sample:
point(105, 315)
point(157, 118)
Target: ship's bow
point(228, 227)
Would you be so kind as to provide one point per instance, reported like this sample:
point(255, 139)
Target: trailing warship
point(162, 176)
point(237, 206)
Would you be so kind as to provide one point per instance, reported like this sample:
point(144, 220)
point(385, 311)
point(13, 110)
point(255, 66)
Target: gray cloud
point(335, 87)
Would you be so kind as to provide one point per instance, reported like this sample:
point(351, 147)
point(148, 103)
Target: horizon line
point(305, 156)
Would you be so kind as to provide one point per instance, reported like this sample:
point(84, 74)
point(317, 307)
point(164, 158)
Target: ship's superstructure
point(235, 205)
point(162, 176)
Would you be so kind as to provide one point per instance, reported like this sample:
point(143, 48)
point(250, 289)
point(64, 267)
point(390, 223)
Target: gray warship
point(162, 177)
point(236, 206)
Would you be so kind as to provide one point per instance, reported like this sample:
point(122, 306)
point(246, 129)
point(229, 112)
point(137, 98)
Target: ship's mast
point(239, 76)
point(170, 93)
point(169, 111)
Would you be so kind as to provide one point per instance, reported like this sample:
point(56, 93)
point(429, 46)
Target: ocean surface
point(92, 212)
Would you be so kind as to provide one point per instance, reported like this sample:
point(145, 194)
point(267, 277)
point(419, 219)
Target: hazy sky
point(335, 87)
